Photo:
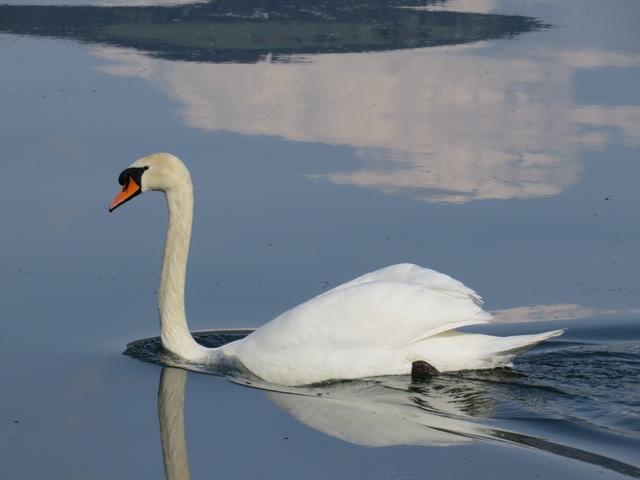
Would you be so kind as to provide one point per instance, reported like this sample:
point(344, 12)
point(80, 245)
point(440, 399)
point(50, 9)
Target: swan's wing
point(415, 275)
point(383, 311)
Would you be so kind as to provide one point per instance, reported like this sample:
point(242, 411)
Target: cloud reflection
point(544, 313)
point(433, 105)
point(555, 311)
point(445, 124)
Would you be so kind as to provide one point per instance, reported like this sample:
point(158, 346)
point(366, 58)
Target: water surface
point(494, 141)
point(572, 398)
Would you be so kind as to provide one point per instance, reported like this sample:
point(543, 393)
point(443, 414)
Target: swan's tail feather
point(479, 318)
point(510, 346)
point(452, 350)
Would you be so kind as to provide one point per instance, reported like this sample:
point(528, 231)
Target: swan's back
point(408, 273)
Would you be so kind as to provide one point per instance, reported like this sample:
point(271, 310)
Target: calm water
point(495, 141)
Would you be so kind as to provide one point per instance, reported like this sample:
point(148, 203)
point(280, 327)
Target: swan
point(381, 323)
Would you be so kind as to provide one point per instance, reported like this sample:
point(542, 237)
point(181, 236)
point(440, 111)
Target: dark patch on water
point(247, 31)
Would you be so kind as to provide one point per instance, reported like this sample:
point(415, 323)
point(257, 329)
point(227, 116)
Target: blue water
point(495, 141)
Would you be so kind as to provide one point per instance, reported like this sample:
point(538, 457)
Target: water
point(494, 141)
point(570, 398)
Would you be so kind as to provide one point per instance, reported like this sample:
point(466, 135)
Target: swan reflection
point(374, 413)
point(392, 411)
point(171, 416)
point(386, 413)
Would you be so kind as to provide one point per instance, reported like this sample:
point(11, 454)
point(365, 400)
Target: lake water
point(495, 141)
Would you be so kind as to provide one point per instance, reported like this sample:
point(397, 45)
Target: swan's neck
point(173, 321)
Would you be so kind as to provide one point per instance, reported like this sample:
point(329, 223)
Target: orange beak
point(130, 190)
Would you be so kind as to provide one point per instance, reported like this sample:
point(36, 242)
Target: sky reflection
point(448, 124)
point(434, 111)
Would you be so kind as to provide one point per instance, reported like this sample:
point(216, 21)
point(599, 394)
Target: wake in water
point(577, 400)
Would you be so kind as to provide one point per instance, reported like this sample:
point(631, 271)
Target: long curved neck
point(173, 321)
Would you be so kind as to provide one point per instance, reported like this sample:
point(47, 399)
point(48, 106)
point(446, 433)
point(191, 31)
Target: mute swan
point(377, 324)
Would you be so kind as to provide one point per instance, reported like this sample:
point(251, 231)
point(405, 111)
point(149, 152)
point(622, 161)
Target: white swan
point(378, 324)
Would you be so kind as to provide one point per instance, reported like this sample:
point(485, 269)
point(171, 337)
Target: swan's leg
point(422, 370)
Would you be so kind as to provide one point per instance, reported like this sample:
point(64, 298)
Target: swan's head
point(160, 171)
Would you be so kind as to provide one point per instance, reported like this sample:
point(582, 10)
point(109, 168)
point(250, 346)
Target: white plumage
point(376, 324)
